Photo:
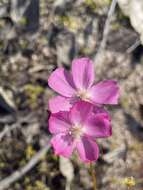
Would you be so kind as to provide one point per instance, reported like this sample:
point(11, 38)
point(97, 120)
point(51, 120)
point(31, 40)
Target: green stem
point(93, 175)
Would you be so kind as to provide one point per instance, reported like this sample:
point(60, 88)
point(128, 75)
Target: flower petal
point(61, 81)
point(83, 73)
point(59, 103)
point(87, 149)
point(99, 110)
point(105, 92)
point(80, 111)
point(63, 144)
point(59, 122)
point(98, 126)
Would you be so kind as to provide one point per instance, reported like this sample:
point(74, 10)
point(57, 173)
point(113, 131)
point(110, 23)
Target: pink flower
point(79, 84)
point(77, 130)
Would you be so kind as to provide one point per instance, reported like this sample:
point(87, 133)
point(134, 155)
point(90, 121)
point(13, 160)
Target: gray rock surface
point(134, 10)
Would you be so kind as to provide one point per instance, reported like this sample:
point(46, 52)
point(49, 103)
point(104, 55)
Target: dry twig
point(105, 32)
point(7, 129)
point(5, 183)
point(133, 46)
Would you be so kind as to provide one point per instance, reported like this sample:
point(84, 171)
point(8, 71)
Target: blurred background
point(36, 37)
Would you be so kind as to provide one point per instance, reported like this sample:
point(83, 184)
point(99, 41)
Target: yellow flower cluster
point(129, 182)
point(30, 152)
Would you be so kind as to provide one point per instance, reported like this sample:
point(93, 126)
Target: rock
point(26, 14)
point(134, 10)
point(67, 171)
point(65, 51)
point(3, 10)
point(7, 104)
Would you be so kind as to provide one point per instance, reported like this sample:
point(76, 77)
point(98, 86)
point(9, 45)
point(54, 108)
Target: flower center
point(76, 131)
point(83, 94)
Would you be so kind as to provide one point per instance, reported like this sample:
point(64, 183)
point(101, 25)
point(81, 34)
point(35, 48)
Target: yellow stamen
point(77, 131)
point(83, 94)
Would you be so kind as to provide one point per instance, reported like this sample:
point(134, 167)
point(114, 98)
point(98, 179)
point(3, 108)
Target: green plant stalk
point(93, 175)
